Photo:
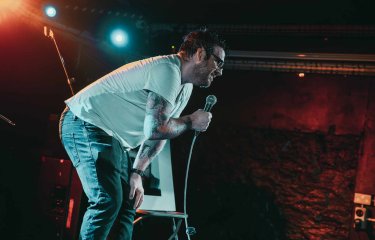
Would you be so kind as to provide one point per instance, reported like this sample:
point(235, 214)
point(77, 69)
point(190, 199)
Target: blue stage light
point(119, 38)
point(50, 11)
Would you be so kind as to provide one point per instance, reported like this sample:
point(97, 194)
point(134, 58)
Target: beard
point(202, 75)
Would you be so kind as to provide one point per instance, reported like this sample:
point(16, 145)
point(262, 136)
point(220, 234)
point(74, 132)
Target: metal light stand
point(52, 37)
point(49, 33)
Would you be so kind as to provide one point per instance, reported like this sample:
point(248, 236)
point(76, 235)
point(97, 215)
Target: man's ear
point(199, 55)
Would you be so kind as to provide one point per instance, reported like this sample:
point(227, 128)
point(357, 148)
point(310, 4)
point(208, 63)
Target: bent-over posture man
point(138, 104)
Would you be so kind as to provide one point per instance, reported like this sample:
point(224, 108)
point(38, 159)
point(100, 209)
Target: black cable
point(189, 230)
point(210, 102)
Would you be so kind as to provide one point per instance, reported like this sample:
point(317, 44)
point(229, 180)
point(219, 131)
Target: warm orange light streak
point(70, 212)
point(9, 7)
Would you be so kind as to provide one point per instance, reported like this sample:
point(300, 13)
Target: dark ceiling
point(270, 25)
point(237, 11)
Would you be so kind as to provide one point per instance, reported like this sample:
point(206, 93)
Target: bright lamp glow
point(119, 38)
point(50, 11)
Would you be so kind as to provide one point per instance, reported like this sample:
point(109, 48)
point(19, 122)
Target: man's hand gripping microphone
point(210, 102)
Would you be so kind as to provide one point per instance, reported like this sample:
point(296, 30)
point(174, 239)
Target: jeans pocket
point(96, 134)
point(70, 146)
point(90, 128)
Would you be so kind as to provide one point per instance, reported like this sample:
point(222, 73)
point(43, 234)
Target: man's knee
point(108, 206)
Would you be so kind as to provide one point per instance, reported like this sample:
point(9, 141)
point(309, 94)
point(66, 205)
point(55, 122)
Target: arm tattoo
point(157, 110)
point(158, 124)
point(147, 152)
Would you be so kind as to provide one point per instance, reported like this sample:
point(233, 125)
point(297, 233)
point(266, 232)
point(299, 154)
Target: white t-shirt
point(116, 102)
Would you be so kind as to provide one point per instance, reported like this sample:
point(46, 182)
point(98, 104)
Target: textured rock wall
point(282, 151)
point(249, 183)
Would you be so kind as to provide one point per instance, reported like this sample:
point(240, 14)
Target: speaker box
point(60, 194)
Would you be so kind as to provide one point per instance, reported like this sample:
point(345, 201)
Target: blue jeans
point(103, 167)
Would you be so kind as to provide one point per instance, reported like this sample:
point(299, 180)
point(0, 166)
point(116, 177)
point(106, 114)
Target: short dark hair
point(201, 38)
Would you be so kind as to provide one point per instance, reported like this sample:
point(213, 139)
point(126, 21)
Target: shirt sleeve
point(188, 88)
point(165, 80)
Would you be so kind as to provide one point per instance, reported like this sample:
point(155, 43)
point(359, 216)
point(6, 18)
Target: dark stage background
point(284, 154)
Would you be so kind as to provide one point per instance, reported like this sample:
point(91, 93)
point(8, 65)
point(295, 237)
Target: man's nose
point(218, 72)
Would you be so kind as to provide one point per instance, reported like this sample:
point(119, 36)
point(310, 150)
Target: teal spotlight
point(50, 11)
point(119, 38)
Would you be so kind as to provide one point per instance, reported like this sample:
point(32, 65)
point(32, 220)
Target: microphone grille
point(211, 99)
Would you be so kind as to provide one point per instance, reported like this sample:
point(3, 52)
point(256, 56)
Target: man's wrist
point(188, 122)
point(137, 171)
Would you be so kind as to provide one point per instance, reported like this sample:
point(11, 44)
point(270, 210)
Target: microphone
point(210, 102)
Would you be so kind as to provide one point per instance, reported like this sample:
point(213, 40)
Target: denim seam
point(90, 223)
point(89, 220)
point(102, 194)
point(75, 150)
point(85, 132)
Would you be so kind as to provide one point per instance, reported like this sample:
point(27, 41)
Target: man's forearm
point(148, 150)
point(174, 127)
point(158, 124)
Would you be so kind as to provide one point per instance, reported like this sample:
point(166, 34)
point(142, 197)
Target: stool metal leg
point(174, 236)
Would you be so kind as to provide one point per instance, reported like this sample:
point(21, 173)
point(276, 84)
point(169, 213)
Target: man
point(138, 104)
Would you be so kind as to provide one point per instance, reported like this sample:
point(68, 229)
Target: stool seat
point(155, 213)
point(164, 214)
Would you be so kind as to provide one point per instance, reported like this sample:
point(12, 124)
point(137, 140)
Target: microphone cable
point(189, 230)
point(210, 102)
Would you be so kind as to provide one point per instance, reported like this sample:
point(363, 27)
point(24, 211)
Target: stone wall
point(252, 183)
